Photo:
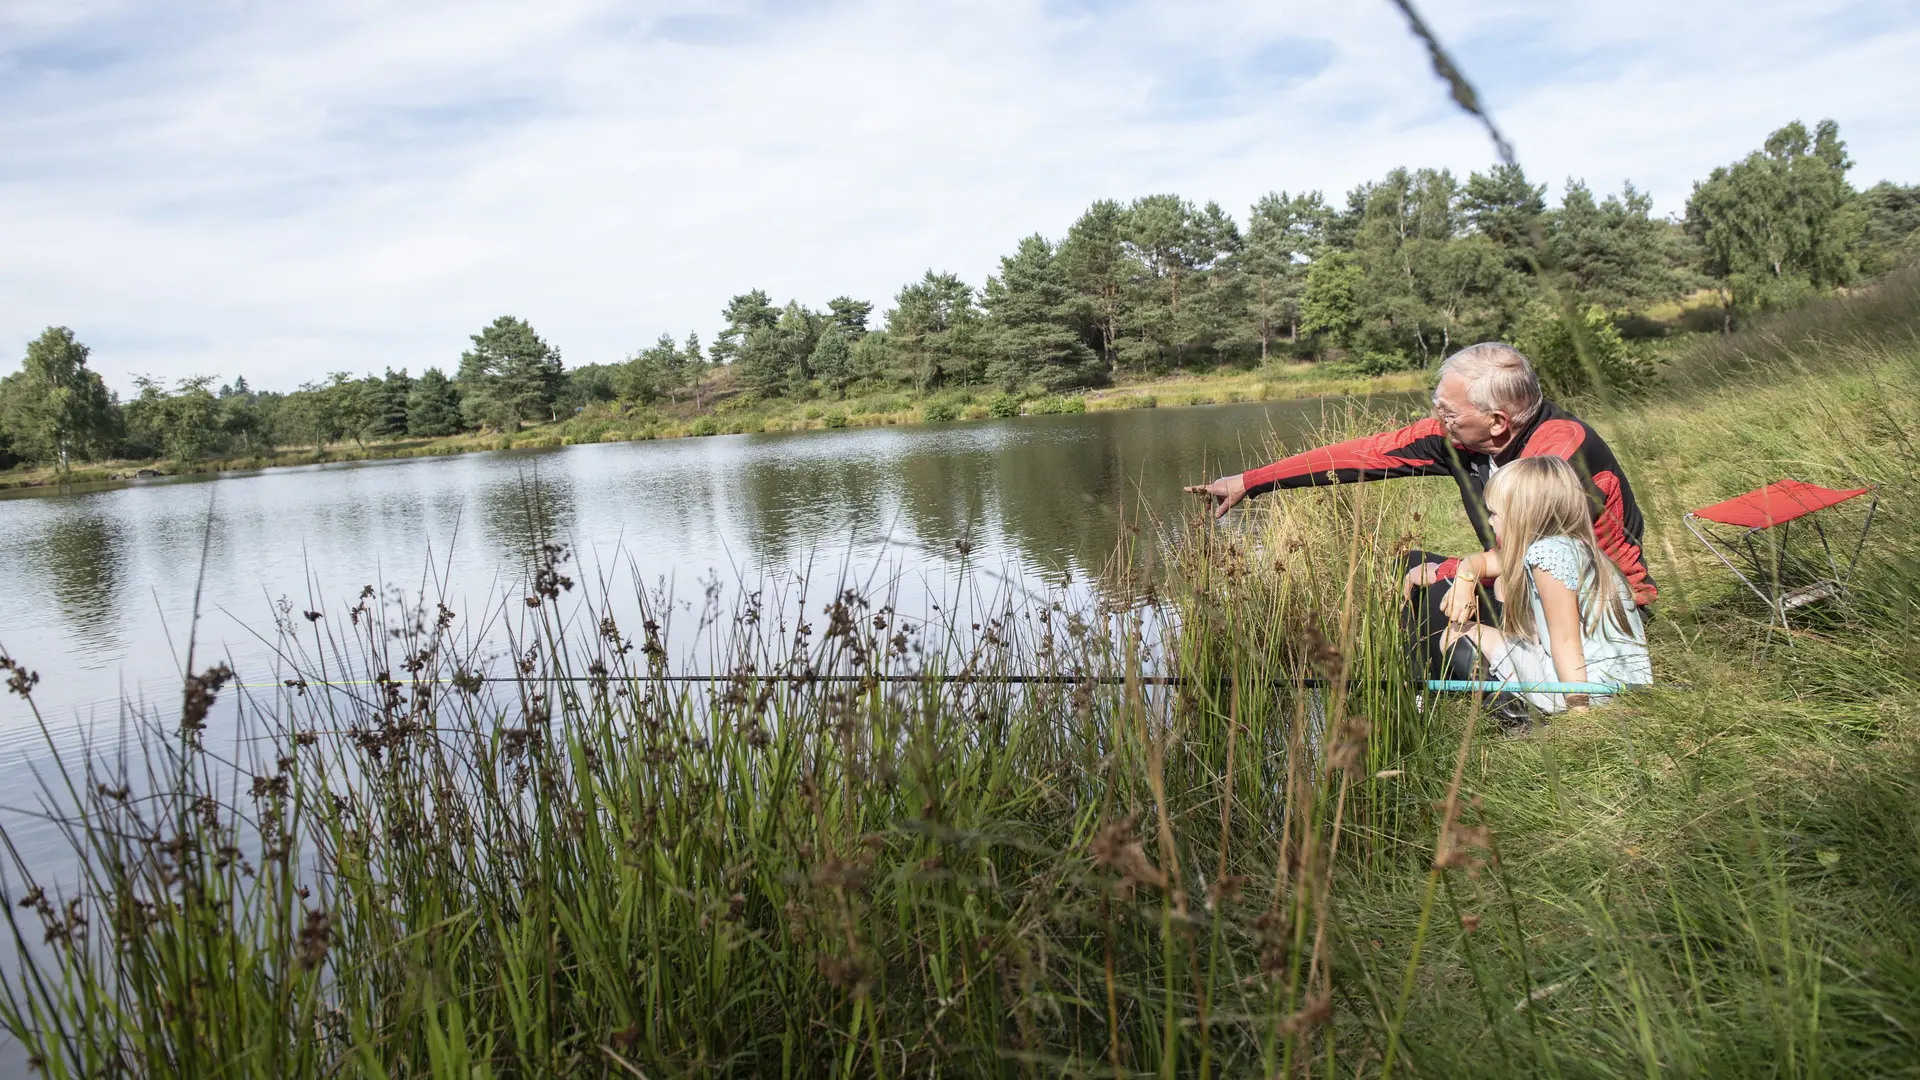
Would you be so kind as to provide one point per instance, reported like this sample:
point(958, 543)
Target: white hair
point(1499, 378)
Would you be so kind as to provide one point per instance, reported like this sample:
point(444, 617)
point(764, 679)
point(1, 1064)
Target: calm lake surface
point(100, 584)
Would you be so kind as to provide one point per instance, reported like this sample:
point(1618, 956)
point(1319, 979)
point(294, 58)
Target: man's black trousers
point(1424, 622)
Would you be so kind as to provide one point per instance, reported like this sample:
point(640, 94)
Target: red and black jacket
point(1423, 449)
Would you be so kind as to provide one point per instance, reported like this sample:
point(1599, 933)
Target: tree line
point(1398, 274)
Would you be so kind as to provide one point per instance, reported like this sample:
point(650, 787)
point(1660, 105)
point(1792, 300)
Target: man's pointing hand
point(1229, 490)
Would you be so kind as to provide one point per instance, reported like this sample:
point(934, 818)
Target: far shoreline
point(1239, 388)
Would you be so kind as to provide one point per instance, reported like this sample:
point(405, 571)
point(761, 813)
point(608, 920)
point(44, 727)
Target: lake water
point(101, 583)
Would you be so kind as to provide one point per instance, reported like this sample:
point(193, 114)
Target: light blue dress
point(1612, 656)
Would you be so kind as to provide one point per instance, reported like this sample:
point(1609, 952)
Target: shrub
point(1073, 404)
point(938, 412)
point(1369, 363)
point(1003, 405)
point(835, 419)
point(706, 425)
point(1548, 341)
point(975, 412)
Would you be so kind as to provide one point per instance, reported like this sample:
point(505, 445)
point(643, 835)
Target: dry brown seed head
point(842, 972)
point(1225, 889)
point(1317, 1011)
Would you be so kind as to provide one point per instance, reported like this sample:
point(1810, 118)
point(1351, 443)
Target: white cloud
point(290, 190)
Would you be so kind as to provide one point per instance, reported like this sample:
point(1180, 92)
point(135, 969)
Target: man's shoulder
point(1560, 436)
point(1560, 433)
point(1563, 435)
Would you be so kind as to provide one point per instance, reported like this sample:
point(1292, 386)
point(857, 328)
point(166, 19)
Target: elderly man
point(1487, 411)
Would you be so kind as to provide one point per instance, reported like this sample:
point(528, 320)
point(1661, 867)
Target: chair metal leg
point(1707, 540)
point(1779, 600)
point(1861, 545)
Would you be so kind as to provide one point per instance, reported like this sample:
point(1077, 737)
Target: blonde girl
point(1567, 615)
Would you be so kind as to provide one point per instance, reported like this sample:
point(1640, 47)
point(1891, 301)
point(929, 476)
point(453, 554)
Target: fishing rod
point(1442, 686)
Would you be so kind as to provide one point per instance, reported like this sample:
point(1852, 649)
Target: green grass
point(594, 870)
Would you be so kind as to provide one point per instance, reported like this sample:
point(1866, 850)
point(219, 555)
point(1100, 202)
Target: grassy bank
point(898, 863)
point(720, 409)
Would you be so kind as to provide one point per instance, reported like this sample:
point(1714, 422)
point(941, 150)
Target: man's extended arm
point(1415, 450)
point(1418, 449)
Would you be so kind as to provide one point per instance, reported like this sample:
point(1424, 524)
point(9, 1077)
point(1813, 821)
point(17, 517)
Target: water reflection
point(82, 558)
point(524, 512)
point(101, 581)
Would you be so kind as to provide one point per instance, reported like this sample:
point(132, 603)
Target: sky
point(284, 190)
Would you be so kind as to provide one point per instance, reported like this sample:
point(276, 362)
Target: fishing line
point(1444, 686)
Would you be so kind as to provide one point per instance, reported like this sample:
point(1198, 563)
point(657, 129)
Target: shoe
point(1514, 717)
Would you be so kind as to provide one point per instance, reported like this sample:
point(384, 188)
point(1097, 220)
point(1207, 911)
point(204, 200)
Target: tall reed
point(860, 849)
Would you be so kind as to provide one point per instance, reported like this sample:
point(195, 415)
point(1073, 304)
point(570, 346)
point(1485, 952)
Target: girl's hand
point(1462, 601)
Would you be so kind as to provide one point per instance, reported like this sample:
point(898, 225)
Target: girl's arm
point(1565, 639)
point(1462, 604)
point(1484, 565)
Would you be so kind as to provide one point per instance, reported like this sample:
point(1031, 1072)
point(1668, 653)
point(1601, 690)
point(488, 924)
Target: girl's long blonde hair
point(1543, 496)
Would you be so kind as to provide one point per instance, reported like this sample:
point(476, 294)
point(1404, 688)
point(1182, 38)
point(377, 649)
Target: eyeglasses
point(1449, 417)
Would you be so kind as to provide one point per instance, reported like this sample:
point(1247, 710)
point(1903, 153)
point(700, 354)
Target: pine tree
point(1613, 252)
point(1094, 261)
point(935, 329)
point(650, 374)
point(774, 357)
point(1167, 247)
point(1029, 318)
point(1283, 234)
point(1503, 207)
point(389, 410)
point(510, 376)
point(694, 363)
point(832, 362)
point(744, 314)
point(433, 406)
point(1890, 233)
point(849, 316)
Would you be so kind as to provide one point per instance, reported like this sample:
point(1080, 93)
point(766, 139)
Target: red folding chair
point(1776, 576)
